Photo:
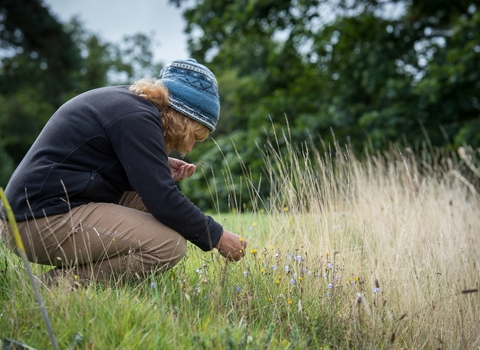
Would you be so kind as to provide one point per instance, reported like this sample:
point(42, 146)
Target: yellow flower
point(253, 251)
point(285, 208)
point(290, 301)
point(262, 211)
point(262, 270)
point(277, 282)
point(75, 277)
point(240, 239)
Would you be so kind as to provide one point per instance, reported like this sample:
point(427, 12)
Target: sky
point(113, 19)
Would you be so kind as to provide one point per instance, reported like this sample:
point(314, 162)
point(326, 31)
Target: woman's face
point(190, 146)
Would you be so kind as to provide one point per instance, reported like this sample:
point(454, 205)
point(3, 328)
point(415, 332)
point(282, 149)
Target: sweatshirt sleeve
point(138, 140)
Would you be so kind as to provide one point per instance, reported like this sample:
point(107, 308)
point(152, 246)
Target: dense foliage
point(361, 71)
point(366, 72)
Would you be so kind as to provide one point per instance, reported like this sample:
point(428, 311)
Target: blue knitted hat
point(192, 91)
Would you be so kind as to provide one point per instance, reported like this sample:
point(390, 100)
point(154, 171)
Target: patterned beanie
point(192, 91)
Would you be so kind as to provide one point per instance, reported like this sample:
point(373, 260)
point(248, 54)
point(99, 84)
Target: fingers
point(186, 170)
point(232, 246)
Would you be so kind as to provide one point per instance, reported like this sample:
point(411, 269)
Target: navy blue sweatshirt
point(94, 148)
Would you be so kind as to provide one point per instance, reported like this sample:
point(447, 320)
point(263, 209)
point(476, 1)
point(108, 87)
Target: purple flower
point(153, 285)
point(238, 289)
point(292, 281)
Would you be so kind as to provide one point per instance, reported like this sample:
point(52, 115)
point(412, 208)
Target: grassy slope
point(350, 254)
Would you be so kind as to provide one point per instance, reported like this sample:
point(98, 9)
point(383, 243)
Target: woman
point(96, 192)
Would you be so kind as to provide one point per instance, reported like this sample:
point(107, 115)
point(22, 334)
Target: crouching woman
point(96, 192)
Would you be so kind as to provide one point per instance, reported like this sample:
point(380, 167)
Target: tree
point(368, 70)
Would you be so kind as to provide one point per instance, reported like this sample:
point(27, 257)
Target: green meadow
point(377, 253)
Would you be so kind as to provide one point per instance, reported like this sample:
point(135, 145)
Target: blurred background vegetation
point(367, 73)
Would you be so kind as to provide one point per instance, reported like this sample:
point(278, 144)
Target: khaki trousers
point(101, 241)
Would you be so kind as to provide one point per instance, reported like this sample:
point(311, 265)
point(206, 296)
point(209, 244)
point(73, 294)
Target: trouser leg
point(103, 240)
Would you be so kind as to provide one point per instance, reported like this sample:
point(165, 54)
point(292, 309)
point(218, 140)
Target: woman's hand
point(180, 169)
point(232, 246)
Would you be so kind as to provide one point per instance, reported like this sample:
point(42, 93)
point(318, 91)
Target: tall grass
point(380, 252)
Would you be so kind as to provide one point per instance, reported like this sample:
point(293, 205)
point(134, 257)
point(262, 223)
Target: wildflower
point(328, 294)
point(253, 251)
point(327, 254)
point(262, 271)
point(245, 273)
point(254, 224)
point(295, 276)
point(335, 227)
point(277, 282)
point(153, 285)
point(250, 228)
point(287, 268)
point(277, 256)
point(75, 277)
point(289, 301)
point(279, 277)
point(274, 267)
point(300, 279)
point(303, 270)
point(285, 208)
point(292, 281)
point(262, 211)
point(198, 271)
point(240, 239)
point(330, 286)
point(237, 289)
point(297, 258)
point(377, 287)
point(330, 265)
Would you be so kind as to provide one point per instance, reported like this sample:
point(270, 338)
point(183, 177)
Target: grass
point(370, 254)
